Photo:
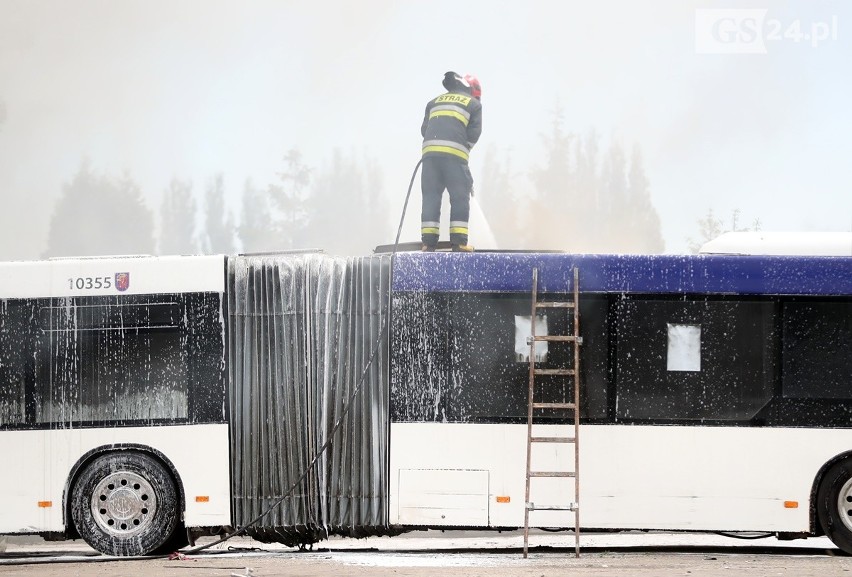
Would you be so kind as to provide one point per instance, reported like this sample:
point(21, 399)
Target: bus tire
point(834, 504)
point(125, 504)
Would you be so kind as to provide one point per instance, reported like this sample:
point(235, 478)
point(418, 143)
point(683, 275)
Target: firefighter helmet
point(469, 83)
point(475, 87)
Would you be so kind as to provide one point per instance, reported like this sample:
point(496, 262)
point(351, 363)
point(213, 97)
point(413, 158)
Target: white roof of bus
point(781, 243)
point(112, 275)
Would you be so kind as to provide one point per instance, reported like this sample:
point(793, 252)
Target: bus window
point(14, 342)
point(107, 360)
point(461, 357)
point(729, 377)
point(817, 349)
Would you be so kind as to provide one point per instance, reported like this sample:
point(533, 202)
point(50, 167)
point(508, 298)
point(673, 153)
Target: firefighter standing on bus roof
point(451, 126)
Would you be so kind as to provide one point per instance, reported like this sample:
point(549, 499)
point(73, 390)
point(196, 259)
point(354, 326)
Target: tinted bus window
point(817, 350)
point(457, 358)
point(15, 319)
point(110, 361)
point(723, 367)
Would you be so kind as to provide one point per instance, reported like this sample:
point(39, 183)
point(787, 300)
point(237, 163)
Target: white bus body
point(632, 477)
point(300, 396)
point(47, 447)
point(34, 487)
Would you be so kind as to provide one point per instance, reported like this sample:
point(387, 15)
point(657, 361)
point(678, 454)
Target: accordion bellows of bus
point(147, 400)
point(303, 334)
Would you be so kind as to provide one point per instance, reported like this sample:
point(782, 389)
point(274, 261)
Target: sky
point(191, 88)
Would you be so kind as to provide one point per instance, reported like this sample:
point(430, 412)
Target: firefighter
point(451, 126)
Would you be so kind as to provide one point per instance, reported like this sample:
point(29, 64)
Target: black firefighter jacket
point(452, 125)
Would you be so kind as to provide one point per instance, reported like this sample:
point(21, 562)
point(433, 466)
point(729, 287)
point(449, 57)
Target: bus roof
point(108, 276)
point(781, 243)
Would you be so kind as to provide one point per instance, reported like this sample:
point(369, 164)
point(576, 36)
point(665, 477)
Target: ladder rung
point(559, 338)
point(554, 305)
point(552, 440)
point(572, 507)
point(562, 372)
point(551, 473)
point(553, 405)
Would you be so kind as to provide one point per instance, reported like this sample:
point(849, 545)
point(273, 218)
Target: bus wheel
point(125, 503)
point(834, 504)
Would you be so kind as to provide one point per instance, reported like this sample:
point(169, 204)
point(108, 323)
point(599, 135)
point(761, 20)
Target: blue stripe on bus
point(660, 274)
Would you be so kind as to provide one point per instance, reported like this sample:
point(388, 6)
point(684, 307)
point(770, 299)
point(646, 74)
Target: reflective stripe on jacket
point(452, 125)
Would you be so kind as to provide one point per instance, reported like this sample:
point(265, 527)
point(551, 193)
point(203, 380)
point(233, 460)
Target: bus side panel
point(24, 495)
point(199, 454)
point(644, 477)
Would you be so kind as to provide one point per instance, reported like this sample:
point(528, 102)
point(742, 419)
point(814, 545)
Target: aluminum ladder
point(570, 378)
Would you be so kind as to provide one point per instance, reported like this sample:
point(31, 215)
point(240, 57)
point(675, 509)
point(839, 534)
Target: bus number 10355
point(88, 282)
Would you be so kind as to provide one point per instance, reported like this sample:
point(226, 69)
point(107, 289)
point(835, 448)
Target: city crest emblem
point(122, 281)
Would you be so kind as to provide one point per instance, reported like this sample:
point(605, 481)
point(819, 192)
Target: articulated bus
point(146, 400)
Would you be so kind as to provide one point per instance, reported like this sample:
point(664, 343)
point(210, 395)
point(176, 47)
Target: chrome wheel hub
point(844, 504)
point(123, 504)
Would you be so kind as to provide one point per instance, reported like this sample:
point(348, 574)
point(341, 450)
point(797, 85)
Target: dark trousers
point(444, 171)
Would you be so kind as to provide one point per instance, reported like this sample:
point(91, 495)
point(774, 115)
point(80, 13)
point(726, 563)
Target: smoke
point(194, 88)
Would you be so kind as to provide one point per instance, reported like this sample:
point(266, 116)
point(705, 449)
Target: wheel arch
point(89, 456)
point(816, 528)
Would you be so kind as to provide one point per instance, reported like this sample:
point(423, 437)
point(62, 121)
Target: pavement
point(462, 553)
